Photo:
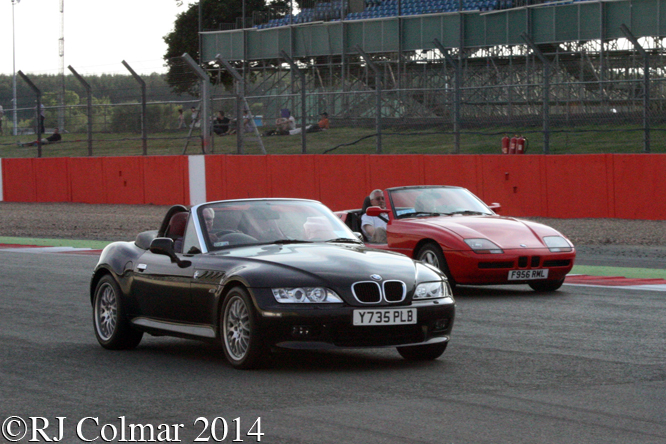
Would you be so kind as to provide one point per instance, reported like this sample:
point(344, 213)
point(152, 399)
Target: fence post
point(378, 89)
point(144, 131)
point(294, 68)
point(90, 111)
point(646, 85)
point(546, 91)
point(38, 112)
point(204, 113)
point(239, 91)
point(456, 95)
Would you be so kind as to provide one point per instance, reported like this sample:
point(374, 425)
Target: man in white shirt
point(374, 227)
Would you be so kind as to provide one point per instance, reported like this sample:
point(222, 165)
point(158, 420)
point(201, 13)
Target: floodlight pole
point(546, 91)
point(90, 108)
point(646, 85)
point(38, 112)
point(144, 130)
point(378, 95)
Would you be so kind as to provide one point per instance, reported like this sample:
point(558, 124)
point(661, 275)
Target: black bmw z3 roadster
point(256, 274)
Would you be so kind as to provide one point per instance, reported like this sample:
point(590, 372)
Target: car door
point(162, 288)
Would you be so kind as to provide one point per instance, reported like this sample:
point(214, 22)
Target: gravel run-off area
point(123, 222)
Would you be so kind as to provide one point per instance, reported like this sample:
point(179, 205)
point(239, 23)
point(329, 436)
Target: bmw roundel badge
point(376, 277)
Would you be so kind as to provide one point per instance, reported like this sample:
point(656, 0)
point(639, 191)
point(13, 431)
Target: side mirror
point(359, 236)
point(496, 207)
point(164, 246)
point(376, 211)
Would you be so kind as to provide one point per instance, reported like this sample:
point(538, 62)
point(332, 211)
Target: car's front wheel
point(112, 329)
point(543, 286)
point(428, 352)
point(431, 253)
point(243, 346)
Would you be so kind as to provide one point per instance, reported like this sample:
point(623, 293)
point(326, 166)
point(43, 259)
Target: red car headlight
point(483, 246)
point(557, 244)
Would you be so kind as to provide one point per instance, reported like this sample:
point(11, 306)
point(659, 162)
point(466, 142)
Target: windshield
point(232, 223)
point(435, 201)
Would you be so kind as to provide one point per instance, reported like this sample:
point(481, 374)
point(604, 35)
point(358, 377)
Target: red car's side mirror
point(376, 211)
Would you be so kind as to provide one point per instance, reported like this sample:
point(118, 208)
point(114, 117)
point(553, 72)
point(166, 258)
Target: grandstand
point(464, 64)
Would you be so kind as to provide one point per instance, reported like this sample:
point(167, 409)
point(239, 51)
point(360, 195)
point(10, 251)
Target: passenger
point(374, 227)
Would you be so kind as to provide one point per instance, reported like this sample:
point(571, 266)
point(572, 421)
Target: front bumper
point(322, 327)
point(471, 268)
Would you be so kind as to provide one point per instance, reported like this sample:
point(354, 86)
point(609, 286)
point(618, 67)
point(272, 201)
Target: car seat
point(176, 230)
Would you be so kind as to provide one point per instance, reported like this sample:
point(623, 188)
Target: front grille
point(522, 261)
point(535, 261)
point(343, 336)
point(367, 292)
point(557, 263)
point(495, 264)
point(394, 291)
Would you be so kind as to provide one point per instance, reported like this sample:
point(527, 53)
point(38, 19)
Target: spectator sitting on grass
point(319, 126)
point(55, 137)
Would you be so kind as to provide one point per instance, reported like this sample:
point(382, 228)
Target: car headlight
point(483, 246)
point(557, 244)
point(306, 295)
point(432, 290)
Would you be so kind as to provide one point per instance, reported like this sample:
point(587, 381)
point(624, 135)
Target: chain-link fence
point(587, 97)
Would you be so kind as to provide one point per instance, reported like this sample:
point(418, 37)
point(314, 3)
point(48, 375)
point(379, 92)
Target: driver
point(209, 218)
point(374, 227)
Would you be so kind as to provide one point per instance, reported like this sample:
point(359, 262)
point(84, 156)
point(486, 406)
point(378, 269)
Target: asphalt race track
point(581, 365)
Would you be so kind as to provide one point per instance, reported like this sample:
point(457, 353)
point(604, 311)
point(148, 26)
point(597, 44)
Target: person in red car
point(374, 227)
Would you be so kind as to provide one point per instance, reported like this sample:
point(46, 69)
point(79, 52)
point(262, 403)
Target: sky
point(99, 35)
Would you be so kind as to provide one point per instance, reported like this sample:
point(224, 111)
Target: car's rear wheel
point(428, 352)
point(243, 346)
point(112, 329)
point(543, 286)
point(431, 253)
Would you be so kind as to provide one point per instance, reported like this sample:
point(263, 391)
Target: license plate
point(528, 275)
point(388, 316)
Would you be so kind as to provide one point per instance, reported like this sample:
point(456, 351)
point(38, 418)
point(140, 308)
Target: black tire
point(544, 286)
point(239, 332)
point(431, 253)
point(112, 329)
point(428, 352)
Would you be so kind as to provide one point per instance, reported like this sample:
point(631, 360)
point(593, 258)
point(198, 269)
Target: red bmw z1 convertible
point(452, 229)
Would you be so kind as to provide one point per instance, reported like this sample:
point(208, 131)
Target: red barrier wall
point(123, 180)
point(625, 186)
point(343, 180)
point(579, 186)
point(18, 180)
point(166, 180)
point(86, 175)
point(639, 183)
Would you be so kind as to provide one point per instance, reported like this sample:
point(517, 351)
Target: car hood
point(322, 263)
point(506, 232)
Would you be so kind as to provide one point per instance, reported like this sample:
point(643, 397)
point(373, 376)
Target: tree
point(185, 36)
